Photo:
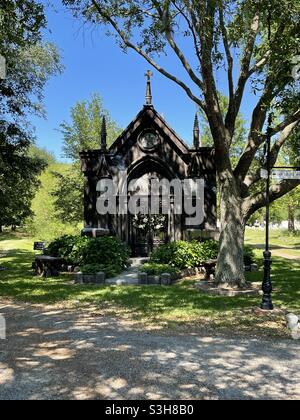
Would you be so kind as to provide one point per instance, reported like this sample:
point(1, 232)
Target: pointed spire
point(197, 140)
point(149, 74)
point(103, 135)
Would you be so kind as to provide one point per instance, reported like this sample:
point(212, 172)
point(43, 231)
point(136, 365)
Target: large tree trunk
point(230, 265)
point(291, 219)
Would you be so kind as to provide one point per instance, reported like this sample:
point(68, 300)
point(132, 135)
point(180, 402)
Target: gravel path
point(58, 354)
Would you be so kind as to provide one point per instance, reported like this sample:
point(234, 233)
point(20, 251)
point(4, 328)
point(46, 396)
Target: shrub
point(63, 248)
point(210, 250)
point(108, 254)
point(154, 269)
point(107, 251)
point(249, 255)
point(110, 271)
point(184, 255)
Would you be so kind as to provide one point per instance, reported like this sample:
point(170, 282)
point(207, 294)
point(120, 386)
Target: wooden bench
point(46, 266)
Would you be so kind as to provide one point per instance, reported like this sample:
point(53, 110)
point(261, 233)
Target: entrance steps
point(129, 276)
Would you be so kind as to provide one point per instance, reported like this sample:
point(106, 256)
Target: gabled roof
point(150, 112)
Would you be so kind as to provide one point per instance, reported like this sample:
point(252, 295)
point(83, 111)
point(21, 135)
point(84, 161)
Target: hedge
point(92, 255)
point(185, 255)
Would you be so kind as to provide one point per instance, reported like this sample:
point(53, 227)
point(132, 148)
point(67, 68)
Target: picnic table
point(46, 266)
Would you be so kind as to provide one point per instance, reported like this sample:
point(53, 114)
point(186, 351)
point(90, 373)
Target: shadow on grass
point(180, 302)
point(19, 282)
point(286, 278)
point(290, 247)
point(286, 281)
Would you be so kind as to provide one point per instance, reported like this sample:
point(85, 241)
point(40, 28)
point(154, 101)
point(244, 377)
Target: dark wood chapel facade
point(148, 148)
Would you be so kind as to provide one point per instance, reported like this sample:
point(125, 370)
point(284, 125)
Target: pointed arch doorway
point(149, 229)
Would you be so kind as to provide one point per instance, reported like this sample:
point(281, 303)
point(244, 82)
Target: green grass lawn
point(278, 239)
point(180, 305)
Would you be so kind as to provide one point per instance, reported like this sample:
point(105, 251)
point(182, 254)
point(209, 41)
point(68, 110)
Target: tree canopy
point(255, 42)
point(30, 63)
point(221, 34)
point(83, 131)
point(18, 176)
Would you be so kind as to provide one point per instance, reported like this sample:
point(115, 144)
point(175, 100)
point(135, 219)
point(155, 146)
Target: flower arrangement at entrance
point(149, 222)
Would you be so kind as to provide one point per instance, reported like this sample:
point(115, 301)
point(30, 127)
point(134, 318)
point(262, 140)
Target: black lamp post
point(267, 281)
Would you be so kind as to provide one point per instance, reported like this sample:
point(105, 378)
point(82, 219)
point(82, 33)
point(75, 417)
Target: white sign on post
point(281, 175)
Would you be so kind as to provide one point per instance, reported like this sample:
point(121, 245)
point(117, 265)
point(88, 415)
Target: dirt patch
point(55, 353)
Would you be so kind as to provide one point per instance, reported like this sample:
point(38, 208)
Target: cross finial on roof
point(149, 74)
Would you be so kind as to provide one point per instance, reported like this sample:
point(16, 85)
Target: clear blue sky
point(94, 63)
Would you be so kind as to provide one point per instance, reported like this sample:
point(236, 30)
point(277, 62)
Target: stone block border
point(211, 288)
point(166, 279)
point(81, 278)
point(208, 269)
point(145, 279)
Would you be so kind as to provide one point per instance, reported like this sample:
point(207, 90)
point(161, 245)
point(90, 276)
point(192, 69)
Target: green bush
point(108, 254)
point(110, 271)
point(107, 251)
point(154, 269)
point(184, 254)
point(249, 255)
point(210, 250)
point(63, 247)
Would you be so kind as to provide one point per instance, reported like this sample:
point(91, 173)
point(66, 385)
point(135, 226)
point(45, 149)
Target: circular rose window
point(149, 140)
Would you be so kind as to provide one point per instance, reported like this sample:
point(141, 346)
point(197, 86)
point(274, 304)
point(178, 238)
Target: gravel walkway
point(59, 354)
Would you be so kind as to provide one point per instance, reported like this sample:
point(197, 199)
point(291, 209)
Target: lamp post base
point(267, 306)
point(267, 288)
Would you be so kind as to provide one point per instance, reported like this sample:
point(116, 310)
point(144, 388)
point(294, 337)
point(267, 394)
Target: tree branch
point(175, 48)
point(290, 120)
point(235, 105)
point(213, 113)
point(191, 28)
point(281, 141)
point(256, 202)
point(259, 64)
point(136, 48)
point(228, 55)
point(255, 138)
point(251, 180)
